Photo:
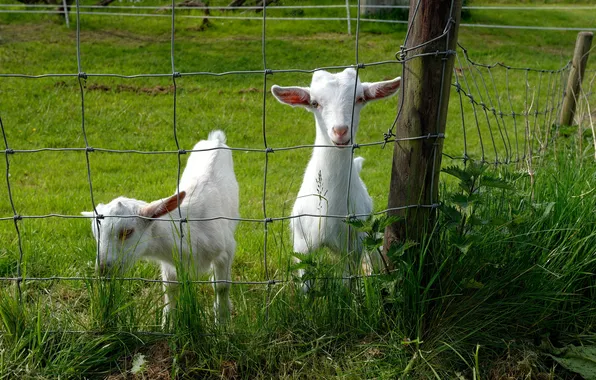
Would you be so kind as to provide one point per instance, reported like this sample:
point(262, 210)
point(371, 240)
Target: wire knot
point(176, 74)
point(386, 137)
point(268, 220)
point(89, 149)
point(401, 55)
point(184, 220)
point(268, 72)
point(269, 150)
point(9, 151)
point(17, 217)
point(271, 282)
point(83, 75)
point(355, 146)
point(182, 151)
point(361, 66)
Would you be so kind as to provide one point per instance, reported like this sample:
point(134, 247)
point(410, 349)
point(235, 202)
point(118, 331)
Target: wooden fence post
point(426, 85)
point(576, 75)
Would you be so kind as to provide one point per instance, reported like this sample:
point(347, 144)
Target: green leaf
point(476, 169)
point(372, 242)
point(461, 200)
point(493, 182)
point(356, 223)
point(386, 221)
point(458, 173)
point(578, 359)
point(397, 249)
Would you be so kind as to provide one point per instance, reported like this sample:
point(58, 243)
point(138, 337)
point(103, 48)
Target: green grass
point(524, 284)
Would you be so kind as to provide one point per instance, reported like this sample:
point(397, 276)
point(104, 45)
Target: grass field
point(512, 291)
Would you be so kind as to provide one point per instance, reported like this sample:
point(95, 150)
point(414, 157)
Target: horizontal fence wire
point(132, 11)
point(493, 132)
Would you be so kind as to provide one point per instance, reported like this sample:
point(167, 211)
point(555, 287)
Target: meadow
point(512, 286)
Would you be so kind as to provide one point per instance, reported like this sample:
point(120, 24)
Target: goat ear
point(380, 90)
point(163, 206)
point(294, 96)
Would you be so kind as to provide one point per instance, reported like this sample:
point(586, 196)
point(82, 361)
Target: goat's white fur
point(208, 189)
point(324, 190)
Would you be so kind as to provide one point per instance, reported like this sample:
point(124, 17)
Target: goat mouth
point(342, 144)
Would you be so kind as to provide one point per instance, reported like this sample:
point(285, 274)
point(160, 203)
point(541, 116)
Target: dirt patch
point(247, 90)
point(98, 87)
point(155, 90)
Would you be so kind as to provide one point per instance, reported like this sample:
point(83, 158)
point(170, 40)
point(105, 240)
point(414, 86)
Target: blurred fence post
point(349, 17)
point(65, 8)
point(576, 76)
point(429, 55)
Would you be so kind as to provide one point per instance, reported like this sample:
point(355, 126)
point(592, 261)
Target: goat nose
point(340, 130)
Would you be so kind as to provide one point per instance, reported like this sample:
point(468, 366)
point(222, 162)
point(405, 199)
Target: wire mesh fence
point(507, 115)
point(331, 12)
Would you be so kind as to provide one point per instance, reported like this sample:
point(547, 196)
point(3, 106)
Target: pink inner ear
point(382, 90)
point(160, 208)
point(293, 96)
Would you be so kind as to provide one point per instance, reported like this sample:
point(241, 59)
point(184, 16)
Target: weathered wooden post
point(426, 85)
point(576, 75)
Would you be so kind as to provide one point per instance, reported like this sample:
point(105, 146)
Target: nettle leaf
point(464, 248)
point(387, 221)
point(461, 200)
point(475, 220)
point(372, 242)
point(356, 223)
point(578, 359)
point(494, 182)
point(465, 201)
point(458, 173)
point(476, 169)
point(397, 249)
point(451, 214)
point(463, 242)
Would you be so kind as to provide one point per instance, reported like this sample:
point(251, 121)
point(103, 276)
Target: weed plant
point(502, 287)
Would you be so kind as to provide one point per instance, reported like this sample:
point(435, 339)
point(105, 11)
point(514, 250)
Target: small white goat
point(324, 190)
point(208, 189)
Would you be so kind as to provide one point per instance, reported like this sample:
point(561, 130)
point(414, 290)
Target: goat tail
point(358, 161)
point(217, 135)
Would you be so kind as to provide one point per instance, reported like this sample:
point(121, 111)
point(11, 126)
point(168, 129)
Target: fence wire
point(493, 131)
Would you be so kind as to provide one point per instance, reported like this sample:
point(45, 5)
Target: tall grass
point(490, 295)
point(524, 283)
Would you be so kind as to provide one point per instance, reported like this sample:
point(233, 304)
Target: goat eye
point(125, 233)
point(314, 104)
point(360, 100)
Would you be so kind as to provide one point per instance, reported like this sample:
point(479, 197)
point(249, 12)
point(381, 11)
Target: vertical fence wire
point(268, 150)
point(16, 217)
point(479, 96)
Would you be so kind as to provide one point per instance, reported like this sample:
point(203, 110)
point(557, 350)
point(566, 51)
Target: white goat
point(324, 190)
point(208, 189)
